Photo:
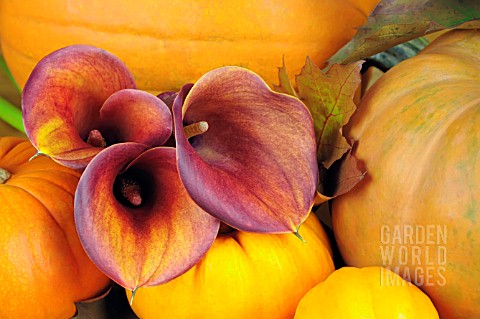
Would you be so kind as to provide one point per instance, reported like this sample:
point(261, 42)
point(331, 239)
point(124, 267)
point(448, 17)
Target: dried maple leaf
point(285, 86)
point(329, 97)
point(341, 178)
point(348, 174)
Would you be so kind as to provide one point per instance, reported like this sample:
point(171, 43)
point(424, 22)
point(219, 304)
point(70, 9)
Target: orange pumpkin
point(43, 267)
point(418, 209)
point(370, 292)
point(244, 275)
point(169, 43)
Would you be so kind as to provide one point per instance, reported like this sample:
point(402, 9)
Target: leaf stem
point(11, 115)
point(6, 70)
point(134, 291)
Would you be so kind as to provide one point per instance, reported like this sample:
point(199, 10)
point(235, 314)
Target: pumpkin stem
point(4, 175)
point(195, 129)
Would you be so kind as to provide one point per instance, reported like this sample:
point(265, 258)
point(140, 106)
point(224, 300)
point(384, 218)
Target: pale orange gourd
point(43, 267)
point(419, 137)
point(169, 43)
point(370, 292)
point(244, 275)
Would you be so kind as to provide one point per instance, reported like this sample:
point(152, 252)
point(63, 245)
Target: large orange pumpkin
point(418, 209)
point(169, 43)
point(244, 275)
point(43, 267)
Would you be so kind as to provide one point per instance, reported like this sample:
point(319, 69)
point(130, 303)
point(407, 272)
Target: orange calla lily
point(80, 99)
point(135, 219)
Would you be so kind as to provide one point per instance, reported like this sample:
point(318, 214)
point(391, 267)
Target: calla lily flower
point(80, 99)
point(255, 167)
point(135, 219)
point(145, 213)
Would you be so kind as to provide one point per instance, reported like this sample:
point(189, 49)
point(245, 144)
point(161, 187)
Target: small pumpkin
point(43, 267)
point(370, 292)
point(418, 209)
point(244, 275)
point(169, 43)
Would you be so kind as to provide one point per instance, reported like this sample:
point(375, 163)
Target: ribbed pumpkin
point(370, 292)
point(169, 43)
point(244, 275)
point(43, 267)
point(418, 209)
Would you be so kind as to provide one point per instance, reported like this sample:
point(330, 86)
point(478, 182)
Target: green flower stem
point(4, 68)
point(11, 115)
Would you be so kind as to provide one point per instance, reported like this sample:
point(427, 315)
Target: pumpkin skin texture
point(169, 43)
point(244, 275)
point(43, 267)
point(370, 292)
point(418, 136)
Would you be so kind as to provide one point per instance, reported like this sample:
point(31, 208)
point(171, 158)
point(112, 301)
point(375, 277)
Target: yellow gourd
point(244, 275)
point(370, 292)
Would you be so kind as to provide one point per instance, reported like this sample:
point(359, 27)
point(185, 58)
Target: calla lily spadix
point(146, 212)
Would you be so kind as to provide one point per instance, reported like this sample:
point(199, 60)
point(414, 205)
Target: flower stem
point(134, 291)
point(11, 115)
point(6, 70)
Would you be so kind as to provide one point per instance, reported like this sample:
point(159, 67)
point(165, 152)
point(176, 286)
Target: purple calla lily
point(255, 167)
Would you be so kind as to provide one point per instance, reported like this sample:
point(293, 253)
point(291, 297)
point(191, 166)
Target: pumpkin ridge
point(13, 151)
point(46, 208)
point(426, 156)
point(51, 170)
point(318, 232)
point(435, 141)
point(370, 290)
point(154, 35)
point(28, 177)
point(56, 223)
point(66, 238)
point(235, 236)
point(372, 115)
point(39, 201)
point(4, 43)
point(31, 161)
point(33, 60)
